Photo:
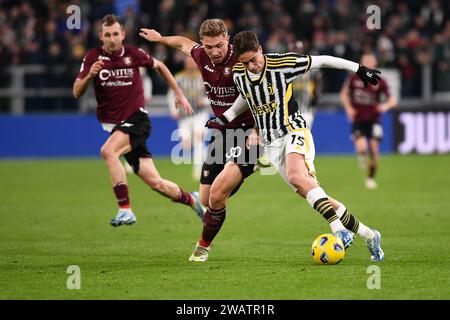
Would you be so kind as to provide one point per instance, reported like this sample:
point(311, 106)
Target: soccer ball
point(327, 249)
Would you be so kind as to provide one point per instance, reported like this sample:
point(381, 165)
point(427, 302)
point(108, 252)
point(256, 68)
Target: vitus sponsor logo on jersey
point(230, 90)
point(105, 74)
point(423, 132)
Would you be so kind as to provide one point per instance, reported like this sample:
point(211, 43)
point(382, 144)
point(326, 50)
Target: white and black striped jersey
point(270, 97)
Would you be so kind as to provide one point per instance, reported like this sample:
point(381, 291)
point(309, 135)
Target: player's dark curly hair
point(245, 41)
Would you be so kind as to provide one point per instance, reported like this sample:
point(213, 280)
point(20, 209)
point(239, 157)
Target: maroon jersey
point(365, 100)
point(219, 85)
point(118, 85)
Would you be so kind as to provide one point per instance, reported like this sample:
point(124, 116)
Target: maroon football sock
point(121, 192)
point(185, 198)
point(214, 219)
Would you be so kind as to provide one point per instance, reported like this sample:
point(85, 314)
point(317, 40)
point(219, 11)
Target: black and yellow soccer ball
point(327, 249)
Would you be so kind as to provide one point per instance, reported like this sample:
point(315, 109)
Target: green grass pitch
point(55, 213)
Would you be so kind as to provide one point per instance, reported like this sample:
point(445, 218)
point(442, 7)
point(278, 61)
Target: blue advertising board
point(43, 136)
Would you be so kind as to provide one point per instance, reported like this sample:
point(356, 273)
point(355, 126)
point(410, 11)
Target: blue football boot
point(346, 237)
point(375, 248)
point(197, 206)
point(123, 217)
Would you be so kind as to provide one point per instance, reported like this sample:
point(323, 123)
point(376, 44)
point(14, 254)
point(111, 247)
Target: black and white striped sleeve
point(302, 65)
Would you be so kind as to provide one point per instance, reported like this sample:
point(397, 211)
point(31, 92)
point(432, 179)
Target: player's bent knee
point(107, 153)
point(298, 179)
point(103, 152)
point(217, 197)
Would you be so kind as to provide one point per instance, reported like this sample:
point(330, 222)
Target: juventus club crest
point(226, 71)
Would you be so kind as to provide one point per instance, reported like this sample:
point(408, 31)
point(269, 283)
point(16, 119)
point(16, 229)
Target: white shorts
point(299, 141)
point(190, 124)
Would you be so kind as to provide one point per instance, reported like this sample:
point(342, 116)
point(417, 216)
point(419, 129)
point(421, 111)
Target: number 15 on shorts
point(297, 142)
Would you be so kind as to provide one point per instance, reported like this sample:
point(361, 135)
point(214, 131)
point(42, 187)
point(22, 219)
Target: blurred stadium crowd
point(412, 34)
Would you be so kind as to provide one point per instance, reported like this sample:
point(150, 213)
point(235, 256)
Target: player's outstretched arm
point(177, 42)
point(180, 99)
point(365, 74)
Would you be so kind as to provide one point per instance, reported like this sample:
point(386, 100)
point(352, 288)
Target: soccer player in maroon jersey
point(364, 107)
point(219, 179)
point(114, 70)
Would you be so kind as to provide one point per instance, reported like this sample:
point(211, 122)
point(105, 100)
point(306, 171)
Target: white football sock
point(337, 225)
point(364, 231)
point(316, 194)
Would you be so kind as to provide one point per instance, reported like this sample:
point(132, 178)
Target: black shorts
point(138, 127)
point(229, 146)
point(370, 130)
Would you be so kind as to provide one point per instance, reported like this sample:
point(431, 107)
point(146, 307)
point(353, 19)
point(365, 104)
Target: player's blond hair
point(213, 28)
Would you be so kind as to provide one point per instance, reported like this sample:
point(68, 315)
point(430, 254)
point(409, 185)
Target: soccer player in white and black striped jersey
point(265, 85)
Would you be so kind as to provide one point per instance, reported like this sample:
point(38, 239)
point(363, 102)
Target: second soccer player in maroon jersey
point(221, 175)
point(364, 108)
point(114, 70)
